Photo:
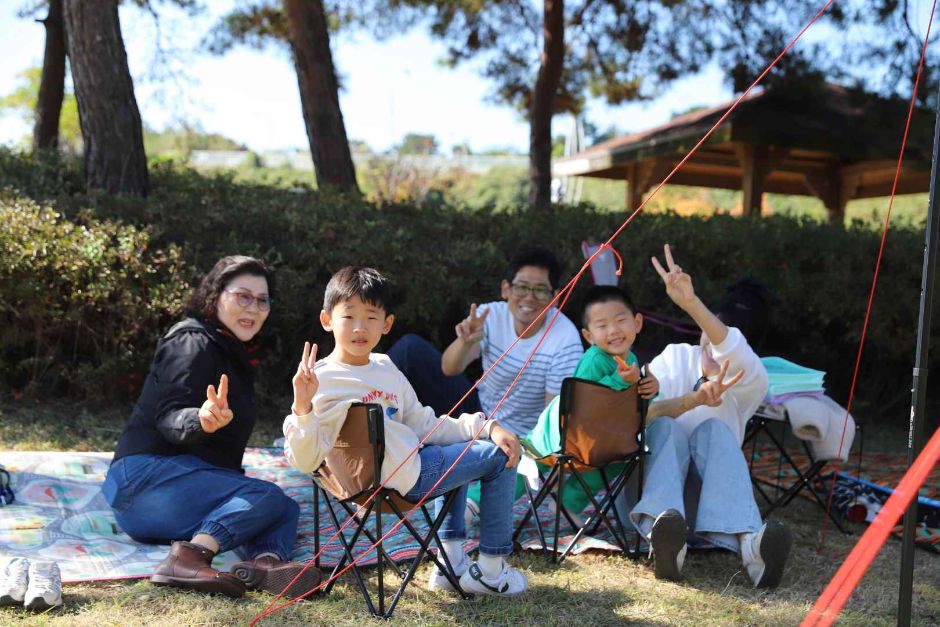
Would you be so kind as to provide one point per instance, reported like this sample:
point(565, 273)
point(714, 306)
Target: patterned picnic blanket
point(60, 514)
point(861, 489)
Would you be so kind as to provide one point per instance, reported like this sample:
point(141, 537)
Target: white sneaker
point(668, 545)
point(13, 578)
point(509, 582)
point(45, 586)
point(438, 581)
point(765, 554)
point(470, 514)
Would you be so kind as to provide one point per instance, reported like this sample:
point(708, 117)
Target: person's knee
point(712, 429)
point(291, 508)
point(408, 346)
point(665, 431)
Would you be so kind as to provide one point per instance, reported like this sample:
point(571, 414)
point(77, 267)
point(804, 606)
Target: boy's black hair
point(604, 294)
point(204, 301)
point(535, 256)
point(747, 305)
point(367, 283)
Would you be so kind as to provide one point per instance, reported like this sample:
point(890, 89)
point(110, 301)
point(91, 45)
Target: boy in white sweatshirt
point(355, 310)
point(697, 430)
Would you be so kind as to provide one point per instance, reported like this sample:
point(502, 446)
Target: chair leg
point(446, 567)
point(425, 542)
point(347, 556)
point(373, 540)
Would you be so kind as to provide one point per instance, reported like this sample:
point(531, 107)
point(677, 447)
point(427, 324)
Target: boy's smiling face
point(357, 327)
point(612, 327)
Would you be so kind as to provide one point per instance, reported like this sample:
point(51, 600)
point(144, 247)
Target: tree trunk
point(319, 94)
point(543, 103)
point(52, 83)
point(111, 128)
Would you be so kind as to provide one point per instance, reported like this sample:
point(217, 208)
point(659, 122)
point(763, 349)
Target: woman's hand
point(305, 382)
point(678, 283)
point(214, 413)
point(508, 442)
point(709, 393)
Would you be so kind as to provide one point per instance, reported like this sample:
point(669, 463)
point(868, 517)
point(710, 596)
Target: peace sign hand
point(470, 329)
point(214, 413)
point(678, 283)
point(710, 392)
point(305, 382)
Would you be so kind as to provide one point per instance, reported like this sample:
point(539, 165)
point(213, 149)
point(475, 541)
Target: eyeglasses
point(539, 291)
point(246, 299)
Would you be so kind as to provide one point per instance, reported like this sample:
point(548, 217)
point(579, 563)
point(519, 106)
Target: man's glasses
point(539, 291)
point(246, 299)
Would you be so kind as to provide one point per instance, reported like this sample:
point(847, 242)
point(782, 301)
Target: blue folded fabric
point(786, 377)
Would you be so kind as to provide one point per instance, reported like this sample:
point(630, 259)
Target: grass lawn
point(585, 590)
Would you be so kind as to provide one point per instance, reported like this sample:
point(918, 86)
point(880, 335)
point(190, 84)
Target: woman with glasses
point(177, 469)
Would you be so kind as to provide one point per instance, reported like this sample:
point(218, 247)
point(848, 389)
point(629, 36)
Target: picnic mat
point(859, 494)
point(60, 514)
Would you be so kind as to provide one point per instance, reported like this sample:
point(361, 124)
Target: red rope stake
point(567, 291)
point(843, 583)
point(874, 280)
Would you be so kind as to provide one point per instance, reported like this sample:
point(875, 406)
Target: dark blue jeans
point(420, 362)
point(157, 499)
point(484, 461)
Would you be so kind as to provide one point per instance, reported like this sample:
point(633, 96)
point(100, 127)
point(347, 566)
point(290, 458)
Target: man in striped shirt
point(530, 283)
point(490, 330)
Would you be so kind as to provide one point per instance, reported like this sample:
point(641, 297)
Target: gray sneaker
point(45, 586)
point(13, 577)
point(668, 545)
point(768, 554)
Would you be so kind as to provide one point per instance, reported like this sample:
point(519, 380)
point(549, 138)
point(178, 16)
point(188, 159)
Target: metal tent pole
point(915, 439)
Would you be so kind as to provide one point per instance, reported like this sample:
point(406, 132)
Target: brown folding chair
point(598, 427)
point(348, 476)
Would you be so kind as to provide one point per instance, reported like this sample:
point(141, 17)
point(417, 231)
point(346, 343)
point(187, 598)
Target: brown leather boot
point(271, 574)
point(190, 566)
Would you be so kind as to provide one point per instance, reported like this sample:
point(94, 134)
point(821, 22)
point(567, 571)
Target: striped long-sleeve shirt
point(556, 359)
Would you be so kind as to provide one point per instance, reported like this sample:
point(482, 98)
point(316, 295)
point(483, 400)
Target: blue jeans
point(484, 461)
point(158, 499)
point(420, 362)
point(703, 476)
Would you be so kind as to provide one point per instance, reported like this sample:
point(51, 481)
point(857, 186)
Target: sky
point(390, 88)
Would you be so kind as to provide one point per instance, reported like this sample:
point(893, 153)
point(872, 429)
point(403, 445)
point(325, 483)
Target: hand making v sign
point(214, 413)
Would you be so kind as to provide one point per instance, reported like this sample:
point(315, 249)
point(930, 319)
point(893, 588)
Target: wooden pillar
point(634, 195)
point(835, 188)
point(754, 162)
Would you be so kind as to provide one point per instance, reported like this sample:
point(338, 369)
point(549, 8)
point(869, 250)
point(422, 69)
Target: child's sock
point(491, 565)
point(454, 551)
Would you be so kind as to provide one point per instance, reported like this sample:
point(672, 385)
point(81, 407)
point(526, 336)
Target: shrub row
point(134, 259)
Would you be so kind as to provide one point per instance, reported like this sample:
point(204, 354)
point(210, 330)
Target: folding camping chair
point(775, 426)
point(598, 427)
point(348, 476)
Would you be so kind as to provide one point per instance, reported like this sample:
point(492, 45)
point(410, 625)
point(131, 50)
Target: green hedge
point(443, 257)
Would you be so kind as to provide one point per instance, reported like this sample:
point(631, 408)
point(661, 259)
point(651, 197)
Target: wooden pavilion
point(831, 142)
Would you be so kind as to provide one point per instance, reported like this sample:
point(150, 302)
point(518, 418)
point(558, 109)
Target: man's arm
point(458, 356)
point(466, 347)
